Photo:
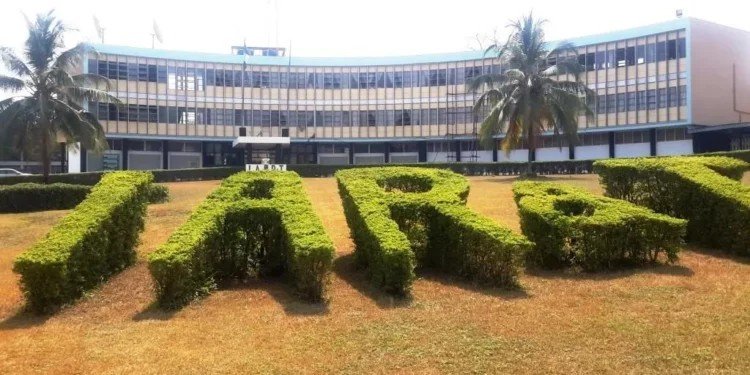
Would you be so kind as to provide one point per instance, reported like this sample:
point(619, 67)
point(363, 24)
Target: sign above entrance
point(265, 167)
point(260, 141)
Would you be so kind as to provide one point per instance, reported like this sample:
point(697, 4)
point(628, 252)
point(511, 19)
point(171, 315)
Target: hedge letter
point(571, 227)
point(402, 217)
point(254, 224)
point(703, 190)
point(88, 245)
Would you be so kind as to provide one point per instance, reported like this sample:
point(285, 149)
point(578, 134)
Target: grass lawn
point(689, 317)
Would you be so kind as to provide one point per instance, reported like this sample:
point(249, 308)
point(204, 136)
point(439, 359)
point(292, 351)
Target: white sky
point(346, 27)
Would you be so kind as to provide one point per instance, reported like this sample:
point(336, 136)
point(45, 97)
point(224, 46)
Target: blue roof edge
point(676, 24)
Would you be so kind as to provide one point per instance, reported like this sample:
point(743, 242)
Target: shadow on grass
point(23, 319)
point(517, 292)
point(154, 312)
point(712, 252)
point(346, 268)
point(280, 291)
point(571, 274)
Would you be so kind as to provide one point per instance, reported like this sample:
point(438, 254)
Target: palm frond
point(13, 63)
point(12, 84)
point(71, 58)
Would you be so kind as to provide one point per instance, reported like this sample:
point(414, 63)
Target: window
point(650, 53)
point(630, 56)
point(611, 103)
point(662, 98)
point(641, 136)
point(601, 60)
point(671, 49)
point(640, 54)
point(631, 101)
point(594, 139)
point(641, 95)
point(621, 60)
point(681, 48)
point(661, 51)
point(651, 99)
point(440, 147)
point(683, 95)
point(621, 102)
point(403, 147)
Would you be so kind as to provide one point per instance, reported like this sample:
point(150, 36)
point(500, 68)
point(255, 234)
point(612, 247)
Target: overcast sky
point(346, 27)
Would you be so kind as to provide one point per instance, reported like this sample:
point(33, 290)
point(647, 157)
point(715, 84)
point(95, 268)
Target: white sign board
point(265, 167)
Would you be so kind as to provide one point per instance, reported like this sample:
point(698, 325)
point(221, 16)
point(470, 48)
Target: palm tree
point(51, 106)
point(539, 90)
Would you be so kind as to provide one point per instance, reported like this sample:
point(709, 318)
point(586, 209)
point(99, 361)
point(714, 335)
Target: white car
point(7, 172)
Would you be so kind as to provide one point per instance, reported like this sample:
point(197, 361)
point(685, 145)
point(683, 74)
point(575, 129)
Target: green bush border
point(28, 197)
point(401, 217)
point(704, 190)
point(94, 241)
point(572, 227)
point(261, 217)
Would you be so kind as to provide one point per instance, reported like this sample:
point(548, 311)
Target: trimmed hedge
point(571, 227)
point(703, 190)
point(254, 224)
point(27, 197)
point(317, 170)
point(94, 241)
point(158, 194)
point(402, 217)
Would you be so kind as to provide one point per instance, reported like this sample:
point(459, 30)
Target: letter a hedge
point(703, 190)
point(402, 217)
point(571, 227)
point(254, 224)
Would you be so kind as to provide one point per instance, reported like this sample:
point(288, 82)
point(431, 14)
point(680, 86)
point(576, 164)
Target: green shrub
point(94, 241)
point(254, 224)
point(158, 193)
point(703, 190)
point(571, 227)
point(29, 197)
point(402, 217)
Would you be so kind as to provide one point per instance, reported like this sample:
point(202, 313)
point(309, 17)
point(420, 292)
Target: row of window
point(634, 55)
point(195, 79)
point(638, 100)
point(211, 148)
point(631, 101)
point(214, 116)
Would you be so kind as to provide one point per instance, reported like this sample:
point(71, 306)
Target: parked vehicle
point(7, 172)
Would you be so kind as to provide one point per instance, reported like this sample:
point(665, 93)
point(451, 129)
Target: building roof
point(675, 24)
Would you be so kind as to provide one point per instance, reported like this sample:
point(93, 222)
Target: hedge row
point(402, 217)
point(94, 241)
point(254, 224)
point(703, 190)
point(571, 227)
point(316, 170)
point(27, 197)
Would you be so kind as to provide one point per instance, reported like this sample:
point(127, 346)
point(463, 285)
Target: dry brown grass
point(691, 317)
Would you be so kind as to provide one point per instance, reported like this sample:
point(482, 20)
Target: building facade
point(677, 87)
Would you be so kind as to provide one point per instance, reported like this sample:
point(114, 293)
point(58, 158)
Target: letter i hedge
point(254, 224)
point(94, 241)
point(403, 217)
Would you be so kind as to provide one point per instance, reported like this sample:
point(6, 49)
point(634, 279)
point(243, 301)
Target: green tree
point(539, 90)
point(51, 102)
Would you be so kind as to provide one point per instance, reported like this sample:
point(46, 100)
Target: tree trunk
point(45, 157)
point(532, 148)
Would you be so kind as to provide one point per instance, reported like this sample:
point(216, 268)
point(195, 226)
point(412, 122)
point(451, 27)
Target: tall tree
point(51, 102)
point(538, 90)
